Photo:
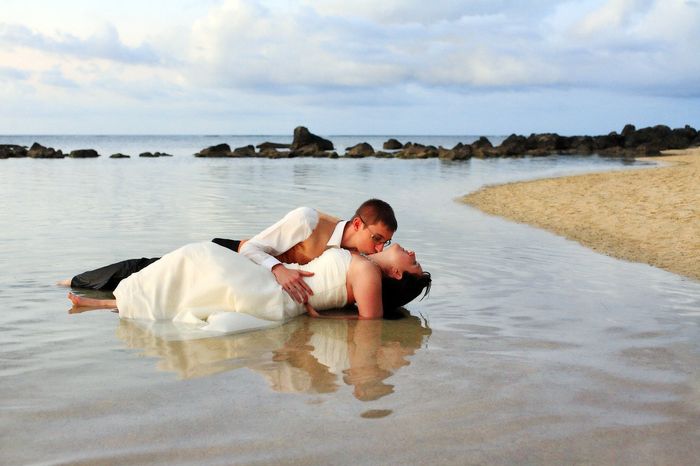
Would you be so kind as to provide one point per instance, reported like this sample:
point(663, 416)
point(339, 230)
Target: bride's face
point(404, 260)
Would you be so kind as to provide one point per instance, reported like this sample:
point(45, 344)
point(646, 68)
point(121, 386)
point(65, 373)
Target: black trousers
point(108, 277)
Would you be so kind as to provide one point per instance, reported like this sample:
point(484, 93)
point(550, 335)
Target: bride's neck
point(381, 260)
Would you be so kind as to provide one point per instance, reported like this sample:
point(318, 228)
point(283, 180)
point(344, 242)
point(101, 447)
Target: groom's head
point(373, 224)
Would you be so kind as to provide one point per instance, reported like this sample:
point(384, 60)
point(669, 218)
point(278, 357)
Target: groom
point(301, 236)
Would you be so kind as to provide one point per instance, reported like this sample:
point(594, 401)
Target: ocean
point(529, 349)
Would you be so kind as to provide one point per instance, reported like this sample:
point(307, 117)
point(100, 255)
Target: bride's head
point(404, 278)
point(395, 261)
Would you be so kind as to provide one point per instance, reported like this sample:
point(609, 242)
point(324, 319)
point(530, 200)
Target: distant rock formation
point(83, 154)
point(37, 151)
point(630, 142)
point(307, 144)
point(245, 151)
point(119, 155)
point(220, 150)
point(10, 151)
point(392, 144)
point(272, 145)
point(154, 154)
point(417, 151)
point(362, 149)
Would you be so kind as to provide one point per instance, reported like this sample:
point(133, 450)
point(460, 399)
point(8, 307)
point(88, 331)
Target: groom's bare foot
point(75, 299)
point(82, 304)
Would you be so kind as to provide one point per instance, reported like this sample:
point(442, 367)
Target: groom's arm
point(295, 227)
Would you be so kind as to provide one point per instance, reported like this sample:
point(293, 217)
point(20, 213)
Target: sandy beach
point(642, 215)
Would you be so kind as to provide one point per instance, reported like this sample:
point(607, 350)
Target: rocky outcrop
point(154, 154)
point(11, 151)
point(245, 151)
point(272, 145)
point(417, 151)
point(307, 144)
point(273, 153)
point(219, 150)
point(631, 142)
point(360, 150)
point(458, 152)
point(482, 148)
point(83, 154)
point(119, 155)
point(392, 144)
point(37, 151)
point(309, 150)
point(514, 144)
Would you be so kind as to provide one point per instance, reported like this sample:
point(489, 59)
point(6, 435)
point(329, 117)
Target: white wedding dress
point(225, 292)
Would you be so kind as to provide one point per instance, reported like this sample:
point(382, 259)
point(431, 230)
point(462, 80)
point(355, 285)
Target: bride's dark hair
point(397, 293)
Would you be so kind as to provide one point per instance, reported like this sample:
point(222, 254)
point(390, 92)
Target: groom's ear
point(356, 223)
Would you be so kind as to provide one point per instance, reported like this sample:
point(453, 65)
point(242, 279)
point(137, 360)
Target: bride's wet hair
point(397, 293)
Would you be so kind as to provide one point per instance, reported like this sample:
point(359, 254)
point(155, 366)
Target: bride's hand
point(312, 312)
point(293, 283)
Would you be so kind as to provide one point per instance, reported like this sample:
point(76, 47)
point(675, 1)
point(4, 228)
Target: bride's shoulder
point(360, 262)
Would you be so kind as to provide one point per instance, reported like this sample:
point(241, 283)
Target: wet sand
point(648, 215)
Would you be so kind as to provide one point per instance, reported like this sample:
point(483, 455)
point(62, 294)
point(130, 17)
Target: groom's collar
point(337, 237)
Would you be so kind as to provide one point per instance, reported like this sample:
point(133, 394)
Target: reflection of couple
point(302, 356)
point(313, 257)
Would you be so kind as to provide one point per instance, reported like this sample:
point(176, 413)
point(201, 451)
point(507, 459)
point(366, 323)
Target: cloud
point(13, 74)
point(463, 46)
point(55, 77)
point(104, 44)
point(290, 58)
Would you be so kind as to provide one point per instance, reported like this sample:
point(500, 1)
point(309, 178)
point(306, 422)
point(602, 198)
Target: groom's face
point(372, 238)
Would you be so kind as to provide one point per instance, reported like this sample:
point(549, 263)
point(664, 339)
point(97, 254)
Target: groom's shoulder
point(303, 214)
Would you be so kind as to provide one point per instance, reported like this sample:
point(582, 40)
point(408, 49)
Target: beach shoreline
point(646, 215)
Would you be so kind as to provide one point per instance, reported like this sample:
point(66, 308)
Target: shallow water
point(529, 349)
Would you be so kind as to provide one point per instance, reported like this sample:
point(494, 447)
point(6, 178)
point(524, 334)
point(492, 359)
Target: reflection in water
point(302, 356)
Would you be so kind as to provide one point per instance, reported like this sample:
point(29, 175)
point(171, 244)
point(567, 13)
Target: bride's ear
point(394, 273)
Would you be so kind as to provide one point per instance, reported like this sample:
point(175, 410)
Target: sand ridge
point(647, 215)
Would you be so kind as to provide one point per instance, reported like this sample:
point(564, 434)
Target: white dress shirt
point(294, 228)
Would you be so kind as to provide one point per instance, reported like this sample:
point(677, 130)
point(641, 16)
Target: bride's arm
point(365, 281)
point(314, 313)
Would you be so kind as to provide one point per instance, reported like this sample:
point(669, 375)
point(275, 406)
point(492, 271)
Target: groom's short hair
point(374, 211)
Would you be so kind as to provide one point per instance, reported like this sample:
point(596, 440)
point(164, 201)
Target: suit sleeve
point(295, 227)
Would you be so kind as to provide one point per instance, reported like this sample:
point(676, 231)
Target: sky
point(395, 67)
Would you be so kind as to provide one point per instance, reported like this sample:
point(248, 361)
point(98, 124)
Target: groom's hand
point(292, 282)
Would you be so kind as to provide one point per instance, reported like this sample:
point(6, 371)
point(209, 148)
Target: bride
point(198, 284)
